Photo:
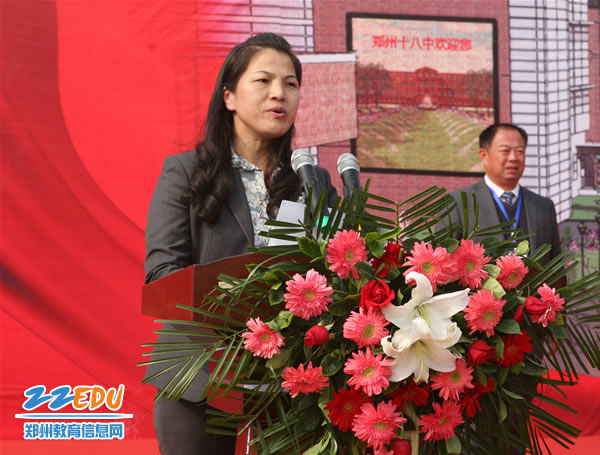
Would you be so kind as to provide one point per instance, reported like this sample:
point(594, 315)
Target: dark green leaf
point(502, 412)
point(324, 397)
point(284, 319)
point(508, 326)
point(275, 296)
point(533, 370)
point(344, 306)
point(499, 343)
point(376, 247)
point(502, 375)
point(394, 273)
point(365, 269)
point(309, 247)
point(371, 236)
point(481, 377)
point(306, 401)
point(390, 234)
point(308, 351)
point(489, 368)
point(558, 331)
point(331, 345)
point(516, 368)
point(326, 318)
point(311, 419)
point(271, 278)
point(512, 395)
point(560, 319)
point(317, 449)
point(332, 363)
point(449, 243)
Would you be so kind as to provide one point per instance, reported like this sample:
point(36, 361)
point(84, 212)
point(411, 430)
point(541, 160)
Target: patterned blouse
point(253, 179)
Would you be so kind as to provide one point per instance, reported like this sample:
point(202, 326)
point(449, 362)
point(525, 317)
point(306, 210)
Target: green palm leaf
point(281, 425)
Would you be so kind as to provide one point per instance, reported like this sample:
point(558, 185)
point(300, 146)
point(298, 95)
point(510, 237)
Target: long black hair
point(212, 180)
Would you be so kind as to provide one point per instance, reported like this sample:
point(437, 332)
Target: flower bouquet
point(390, 336)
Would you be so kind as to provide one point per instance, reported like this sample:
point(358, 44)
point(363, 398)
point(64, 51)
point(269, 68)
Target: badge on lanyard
point(503, 209)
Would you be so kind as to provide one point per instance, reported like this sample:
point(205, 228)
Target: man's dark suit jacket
point(176, 238)
point(539, 212)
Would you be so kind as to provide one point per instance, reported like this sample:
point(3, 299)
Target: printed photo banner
point(426, 87)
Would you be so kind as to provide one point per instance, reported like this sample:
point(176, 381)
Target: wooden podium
point(189, 286)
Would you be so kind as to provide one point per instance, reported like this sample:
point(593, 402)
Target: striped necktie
point(508, 198)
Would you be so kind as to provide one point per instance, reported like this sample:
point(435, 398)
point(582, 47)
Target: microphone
point(348, 168)
point(303, 165)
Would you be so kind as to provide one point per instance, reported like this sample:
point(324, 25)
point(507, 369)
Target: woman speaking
point(212, 202)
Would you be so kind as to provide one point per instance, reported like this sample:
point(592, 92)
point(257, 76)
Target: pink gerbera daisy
point(307, 297)
point(483, 312)
point(344, 250)
point(377, 426)
point(262, 340)
point(455, 382)
point(434, 264)
point(544, 311)
point(512, 271)
point(366, 329)
point(344, 406)
point(300, 380)
point(441, 424)
point(369, 372)
point(468, 260)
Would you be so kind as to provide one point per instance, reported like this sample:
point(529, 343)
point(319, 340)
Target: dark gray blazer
point(176, 238)
point(539, 212)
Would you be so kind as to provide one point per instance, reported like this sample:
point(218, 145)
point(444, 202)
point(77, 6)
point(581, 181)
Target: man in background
point(500, 196)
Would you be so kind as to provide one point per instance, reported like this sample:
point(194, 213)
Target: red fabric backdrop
point(94, 96)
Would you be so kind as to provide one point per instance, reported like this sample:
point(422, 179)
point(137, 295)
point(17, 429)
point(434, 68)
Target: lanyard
point(503, 209)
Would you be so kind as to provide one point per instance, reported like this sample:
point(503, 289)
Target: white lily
point(436, 310)
point(416, 350)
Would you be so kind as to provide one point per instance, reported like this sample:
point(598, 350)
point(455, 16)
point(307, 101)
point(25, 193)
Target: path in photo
point(409, 138)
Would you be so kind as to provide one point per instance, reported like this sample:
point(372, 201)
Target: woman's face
point(266, 98)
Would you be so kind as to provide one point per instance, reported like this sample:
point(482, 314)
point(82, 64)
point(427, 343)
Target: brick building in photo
point(413, 88)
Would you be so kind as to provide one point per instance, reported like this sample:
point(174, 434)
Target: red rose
point(390, 258)
point(519, 314)
point(480, 352)
point(375, 294)
point(401, 447)
point(316, 336)
point(536, 307)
